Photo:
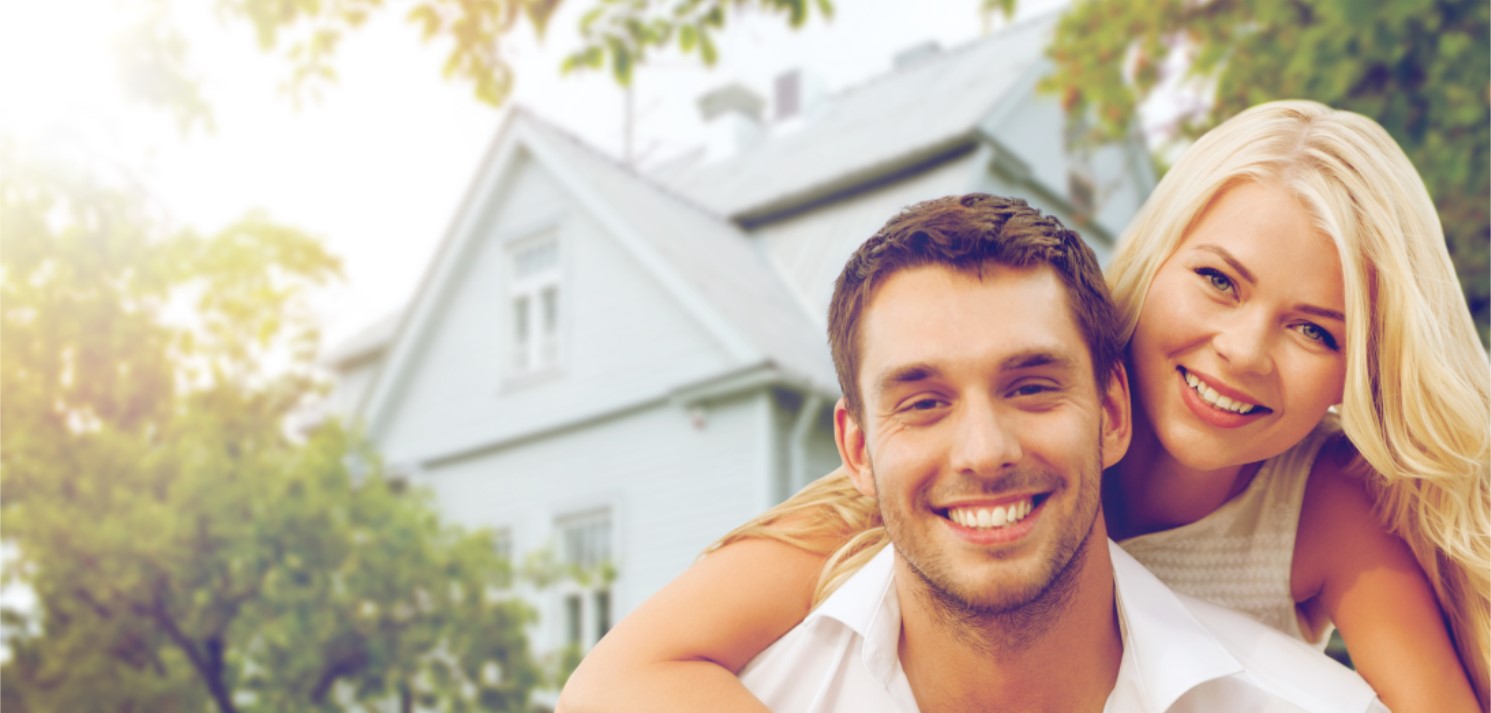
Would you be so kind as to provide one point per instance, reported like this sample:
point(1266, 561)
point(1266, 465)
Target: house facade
point(613, 367)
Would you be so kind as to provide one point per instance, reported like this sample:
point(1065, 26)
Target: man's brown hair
point(965, 233)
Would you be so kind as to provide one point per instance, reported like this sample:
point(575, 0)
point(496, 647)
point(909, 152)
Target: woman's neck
point(1150, 491)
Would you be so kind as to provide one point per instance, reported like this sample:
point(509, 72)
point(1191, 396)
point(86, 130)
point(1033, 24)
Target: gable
point(623, 339)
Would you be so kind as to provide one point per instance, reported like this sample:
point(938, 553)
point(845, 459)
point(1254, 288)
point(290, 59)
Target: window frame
point(586, 598)
point(534, 343)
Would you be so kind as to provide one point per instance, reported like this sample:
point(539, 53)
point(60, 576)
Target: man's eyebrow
point(1034, 358)
point(1228, 258)
point(906, 374)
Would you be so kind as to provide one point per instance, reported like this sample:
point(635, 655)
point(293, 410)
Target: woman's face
point(1238, 350)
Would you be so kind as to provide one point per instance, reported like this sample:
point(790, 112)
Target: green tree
point(1421, 68)
point(618, 34)
point(187, 550)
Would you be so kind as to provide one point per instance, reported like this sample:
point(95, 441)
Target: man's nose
point(1244, 342)
point(985, 443)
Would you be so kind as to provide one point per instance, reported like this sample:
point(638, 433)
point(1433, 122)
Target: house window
point(585, 547)
point(585, 540)
point(534, 296)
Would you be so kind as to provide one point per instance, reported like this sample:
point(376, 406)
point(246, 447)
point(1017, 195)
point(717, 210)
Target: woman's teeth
point(985, 518)
point(1210, 395)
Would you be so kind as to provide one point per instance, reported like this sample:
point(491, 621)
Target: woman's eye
point(1218, 281)
point(1316, 333)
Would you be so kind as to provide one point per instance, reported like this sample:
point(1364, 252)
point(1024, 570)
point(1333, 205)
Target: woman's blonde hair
point(1417, 397)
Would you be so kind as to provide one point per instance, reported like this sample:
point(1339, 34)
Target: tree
point(1420, 68)
point(186, 549)
point(618, 34)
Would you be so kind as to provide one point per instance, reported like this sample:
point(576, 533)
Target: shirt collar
point(867, 604)
point(1171, 651)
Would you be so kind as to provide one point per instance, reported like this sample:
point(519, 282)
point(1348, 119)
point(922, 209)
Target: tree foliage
point(1421, 68)
point(618, 34)
point(186, 550)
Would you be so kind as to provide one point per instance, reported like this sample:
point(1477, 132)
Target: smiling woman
point(1233, 355)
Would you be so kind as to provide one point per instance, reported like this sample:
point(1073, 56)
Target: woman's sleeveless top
point(1240, 556)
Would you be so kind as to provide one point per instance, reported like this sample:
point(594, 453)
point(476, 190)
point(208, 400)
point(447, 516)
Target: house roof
point(717, 261)
point(683, 221)
point(711, 267)
point(869, 130)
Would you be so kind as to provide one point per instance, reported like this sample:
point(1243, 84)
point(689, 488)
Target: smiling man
point(984, 394)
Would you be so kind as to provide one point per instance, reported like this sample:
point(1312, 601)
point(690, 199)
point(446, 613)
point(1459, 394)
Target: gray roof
point(712, 255)
point(869, 130)
point(367, 342)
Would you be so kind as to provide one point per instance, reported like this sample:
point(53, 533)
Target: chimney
point(732, 120)
point(916, 54)
point(796, 93)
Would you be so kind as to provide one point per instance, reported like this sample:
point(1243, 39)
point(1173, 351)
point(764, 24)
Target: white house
point(620, 367)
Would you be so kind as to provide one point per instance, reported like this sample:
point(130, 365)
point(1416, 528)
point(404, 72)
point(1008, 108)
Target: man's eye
point(923, 405)
point(1032, 389)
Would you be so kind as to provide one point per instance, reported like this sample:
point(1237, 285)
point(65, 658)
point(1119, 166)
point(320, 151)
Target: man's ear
point(1117, 424)
point(850, 439)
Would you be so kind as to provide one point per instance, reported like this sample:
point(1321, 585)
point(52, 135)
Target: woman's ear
point(1117, 426)
point(850, 438)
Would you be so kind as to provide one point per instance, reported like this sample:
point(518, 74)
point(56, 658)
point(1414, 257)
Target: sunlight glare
point(55, 62)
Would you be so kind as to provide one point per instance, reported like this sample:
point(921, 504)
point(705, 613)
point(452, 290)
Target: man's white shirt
point(1180, 655)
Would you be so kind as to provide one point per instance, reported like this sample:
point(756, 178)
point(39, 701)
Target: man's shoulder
point(1278, 665)
point(1193, 655)
point(843, 656)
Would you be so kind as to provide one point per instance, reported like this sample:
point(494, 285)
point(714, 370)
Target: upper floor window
point(534, 297)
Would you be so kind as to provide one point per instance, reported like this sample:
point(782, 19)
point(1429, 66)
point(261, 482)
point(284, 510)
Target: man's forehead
point(1005, 316)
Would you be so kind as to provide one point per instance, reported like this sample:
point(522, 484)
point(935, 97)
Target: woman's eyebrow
point(1320, 312)
point(1228, 258)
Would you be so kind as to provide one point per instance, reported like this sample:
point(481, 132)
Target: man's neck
point(1064, 659)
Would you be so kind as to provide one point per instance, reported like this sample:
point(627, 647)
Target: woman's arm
point(681, 649)
point(1368, 582)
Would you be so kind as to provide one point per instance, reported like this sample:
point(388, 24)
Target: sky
point(378, 165)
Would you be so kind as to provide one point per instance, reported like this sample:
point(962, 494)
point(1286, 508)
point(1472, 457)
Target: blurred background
point(380, 354)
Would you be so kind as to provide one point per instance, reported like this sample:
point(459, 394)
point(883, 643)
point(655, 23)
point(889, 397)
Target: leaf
point(428, 19)
point(707, 51)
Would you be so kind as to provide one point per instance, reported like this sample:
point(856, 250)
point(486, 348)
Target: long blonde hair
point(1417, 398)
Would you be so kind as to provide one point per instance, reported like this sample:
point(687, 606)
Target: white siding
point(672, 489)
point(351, 387)
point(624, 340)
point(810, 249)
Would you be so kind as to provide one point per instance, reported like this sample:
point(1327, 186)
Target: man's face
point(984, 434)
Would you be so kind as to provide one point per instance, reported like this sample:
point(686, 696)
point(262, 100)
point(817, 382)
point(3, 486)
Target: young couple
point(1290, 262)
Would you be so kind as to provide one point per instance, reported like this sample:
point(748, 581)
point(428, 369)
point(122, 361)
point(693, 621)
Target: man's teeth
point(985, 518)
point(1210, 395)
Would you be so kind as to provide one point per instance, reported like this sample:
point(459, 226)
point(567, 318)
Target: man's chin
point(995, 594)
